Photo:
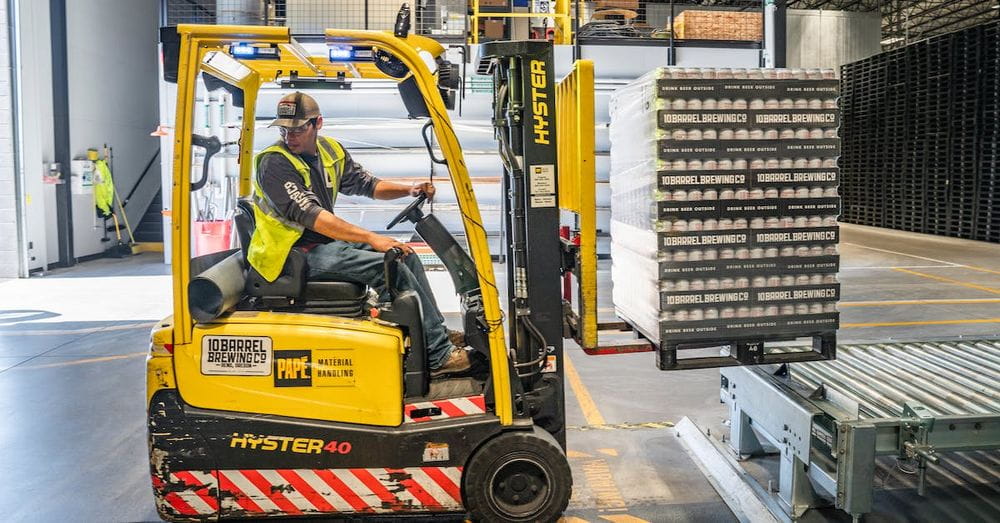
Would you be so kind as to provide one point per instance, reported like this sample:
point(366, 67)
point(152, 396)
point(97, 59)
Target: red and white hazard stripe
point(311, 491)
point(190, 493)
point(450, 408)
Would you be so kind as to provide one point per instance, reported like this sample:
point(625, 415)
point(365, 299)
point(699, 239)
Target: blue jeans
point(360, 263)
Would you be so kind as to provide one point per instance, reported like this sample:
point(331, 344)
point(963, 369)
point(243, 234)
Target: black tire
point(518, 476)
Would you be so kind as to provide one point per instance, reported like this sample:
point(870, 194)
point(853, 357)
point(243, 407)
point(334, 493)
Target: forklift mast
point(525, 127)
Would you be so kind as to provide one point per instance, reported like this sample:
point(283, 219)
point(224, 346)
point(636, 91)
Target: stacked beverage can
point(724, 203)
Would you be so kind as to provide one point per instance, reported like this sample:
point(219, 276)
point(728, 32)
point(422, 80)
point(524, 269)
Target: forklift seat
point(292, 284)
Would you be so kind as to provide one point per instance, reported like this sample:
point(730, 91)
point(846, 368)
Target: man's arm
point(292, 200)
point(357, 180)
point(386, 190)
point(329, 225)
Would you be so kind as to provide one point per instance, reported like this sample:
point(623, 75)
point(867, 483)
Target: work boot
point(457, 361)
point(457, 338)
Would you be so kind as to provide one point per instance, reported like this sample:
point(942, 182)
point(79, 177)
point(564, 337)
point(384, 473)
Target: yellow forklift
point(293, 398)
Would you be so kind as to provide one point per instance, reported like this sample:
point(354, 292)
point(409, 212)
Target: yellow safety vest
point(274, 236)
point(104, 189)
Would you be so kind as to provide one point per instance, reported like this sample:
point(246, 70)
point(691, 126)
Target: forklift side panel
point(303, 366)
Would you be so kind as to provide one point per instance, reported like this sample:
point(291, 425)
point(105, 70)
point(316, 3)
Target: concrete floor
point(72, 440)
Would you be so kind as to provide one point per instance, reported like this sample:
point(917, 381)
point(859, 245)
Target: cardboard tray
point(748, 89)
point(714, 149)
point(685, 210)
point(749, 178)
point(748, 238)
point(749, 297)
point(760, 328)
point(670, 119)
point(755, 267)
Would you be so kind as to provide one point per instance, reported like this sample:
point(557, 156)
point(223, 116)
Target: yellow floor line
point(913, 323)
point(980, 269)
point(950, 264)
point(991, 290)
point(623, 518)
point(590, 412)
point(83, 361)
point(602, 485)
point(957, 301)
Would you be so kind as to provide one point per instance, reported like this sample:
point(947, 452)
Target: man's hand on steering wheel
point(383, 243)
point(423, 188)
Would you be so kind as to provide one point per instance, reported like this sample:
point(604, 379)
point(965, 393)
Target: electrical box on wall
point(82, 176)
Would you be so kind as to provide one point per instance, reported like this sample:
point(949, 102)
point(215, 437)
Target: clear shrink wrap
point(724, 203)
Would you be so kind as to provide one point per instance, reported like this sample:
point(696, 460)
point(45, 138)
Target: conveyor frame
point(831, 420)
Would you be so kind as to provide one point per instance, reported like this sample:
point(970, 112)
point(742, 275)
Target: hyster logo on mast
point(539, 102)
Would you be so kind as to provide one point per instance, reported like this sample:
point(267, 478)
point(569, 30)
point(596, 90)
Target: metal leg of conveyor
point(785, 422)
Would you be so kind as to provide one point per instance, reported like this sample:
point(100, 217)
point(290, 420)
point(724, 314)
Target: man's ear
point(319, 122)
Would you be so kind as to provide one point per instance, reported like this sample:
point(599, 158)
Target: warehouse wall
point(36, 138)
point(829, 39)
point(9, 253)
point(113, 64)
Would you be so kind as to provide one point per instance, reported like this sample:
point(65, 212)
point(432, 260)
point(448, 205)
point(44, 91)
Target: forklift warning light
point(351, 54)
point(251, 52)
point(338, 53)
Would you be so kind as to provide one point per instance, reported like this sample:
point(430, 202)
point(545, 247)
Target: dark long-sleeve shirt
point(288, 195)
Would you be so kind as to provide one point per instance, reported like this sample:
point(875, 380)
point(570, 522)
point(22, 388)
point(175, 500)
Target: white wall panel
point(10, 247)
point(829, 39)
point(112, 99)
point(36, 147)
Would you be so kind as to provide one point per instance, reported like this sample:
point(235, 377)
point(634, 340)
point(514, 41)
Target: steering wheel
point(411, 213)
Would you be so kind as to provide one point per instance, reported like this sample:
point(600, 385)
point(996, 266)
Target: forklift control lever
point(391, 259)
point(411, 213)
point(212, 145)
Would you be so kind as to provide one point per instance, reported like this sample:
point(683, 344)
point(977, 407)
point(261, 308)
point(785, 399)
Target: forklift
point(295, 398)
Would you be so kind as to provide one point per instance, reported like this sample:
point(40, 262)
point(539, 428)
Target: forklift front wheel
point(518, 476)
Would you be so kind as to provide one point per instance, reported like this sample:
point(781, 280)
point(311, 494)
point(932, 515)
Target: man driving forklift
point(295, 188)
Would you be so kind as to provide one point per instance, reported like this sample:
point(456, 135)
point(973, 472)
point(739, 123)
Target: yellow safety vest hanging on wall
point(104, 189)
point(274, 236)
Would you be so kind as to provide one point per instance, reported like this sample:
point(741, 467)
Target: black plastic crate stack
point(724, 209)
point(892, 149)
point(920, 137)
point(862, 96)
point(988, 213)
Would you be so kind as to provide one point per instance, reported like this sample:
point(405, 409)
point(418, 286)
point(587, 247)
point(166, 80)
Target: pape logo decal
point(292, 368)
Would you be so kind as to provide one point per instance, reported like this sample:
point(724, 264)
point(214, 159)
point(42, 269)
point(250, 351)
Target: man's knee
point(413, 262)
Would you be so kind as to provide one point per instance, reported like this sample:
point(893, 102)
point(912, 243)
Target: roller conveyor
point(931, 408)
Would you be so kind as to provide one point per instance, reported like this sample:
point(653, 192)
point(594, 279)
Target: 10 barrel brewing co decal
point(236, 355)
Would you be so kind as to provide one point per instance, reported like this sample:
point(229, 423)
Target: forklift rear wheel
point(518, 476)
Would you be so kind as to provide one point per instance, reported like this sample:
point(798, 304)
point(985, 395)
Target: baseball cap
point(295, 109)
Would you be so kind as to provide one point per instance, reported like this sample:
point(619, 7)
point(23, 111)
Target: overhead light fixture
point(892, 40)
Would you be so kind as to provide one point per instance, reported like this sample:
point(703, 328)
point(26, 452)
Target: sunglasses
point(296, 131)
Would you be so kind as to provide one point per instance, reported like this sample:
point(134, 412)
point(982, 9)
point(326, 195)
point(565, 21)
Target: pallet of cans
point(724, 207)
